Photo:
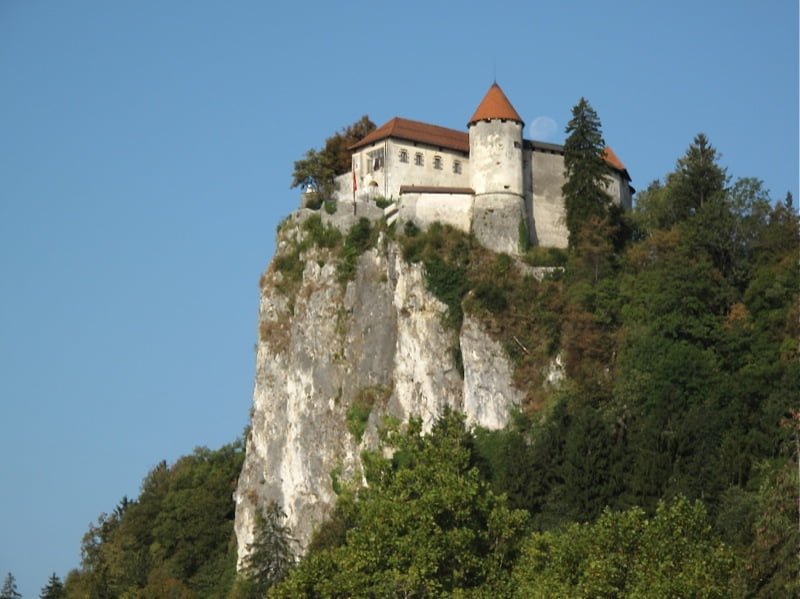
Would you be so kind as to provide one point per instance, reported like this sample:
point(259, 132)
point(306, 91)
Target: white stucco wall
point(395, 173)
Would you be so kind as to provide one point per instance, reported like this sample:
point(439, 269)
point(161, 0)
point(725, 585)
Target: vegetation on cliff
point(661, 465)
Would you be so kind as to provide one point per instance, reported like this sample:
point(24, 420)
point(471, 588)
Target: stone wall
point(547, 177)
point(425, 208)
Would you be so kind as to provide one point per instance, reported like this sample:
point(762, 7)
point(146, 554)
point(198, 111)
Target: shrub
point(324, 236)
point(330, 206)
point(410, 229)
point(382, 202)
point(491, 297)
point(359, 411)
point(314, 202)
point(359, 239)
point(542, 256)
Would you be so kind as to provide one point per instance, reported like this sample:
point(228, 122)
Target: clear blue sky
point(146, 150)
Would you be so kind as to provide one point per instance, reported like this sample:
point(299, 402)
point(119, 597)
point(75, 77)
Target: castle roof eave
point(417, 132)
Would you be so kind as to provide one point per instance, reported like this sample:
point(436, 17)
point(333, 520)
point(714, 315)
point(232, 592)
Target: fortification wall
point(454, 209)
point(547, 177)
point(495, 221)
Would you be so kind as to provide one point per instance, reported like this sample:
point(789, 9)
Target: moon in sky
point(543, 128)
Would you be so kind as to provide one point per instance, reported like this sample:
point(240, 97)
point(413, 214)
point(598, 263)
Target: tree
point(9, 590)
point(271, 554)
point(320, 167)
point(585, 170)
point(697, 179)
point(54, 588)
point(625, 554)
point(427, 526)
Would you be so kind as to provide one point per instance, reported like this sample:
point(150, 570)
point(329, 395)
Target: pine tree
point(697, 180)
point(54, 589)
point(584, 192)
point(9, 590)
point(271, 553)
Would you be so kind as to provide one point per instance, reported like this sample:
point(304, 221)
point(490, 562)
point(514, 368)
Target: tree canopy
point(585, 170)
point(319, 168)
point(9, 588)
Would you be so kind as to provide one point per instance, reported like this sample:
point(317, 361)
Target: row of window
point(438, 163)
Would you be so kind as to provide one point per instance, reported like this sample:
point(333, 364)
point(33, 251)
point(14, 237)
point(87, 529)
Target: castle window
point(403, 155)
point(457, 167)
point(437, 163)
point(418, 159)
point(375, 160)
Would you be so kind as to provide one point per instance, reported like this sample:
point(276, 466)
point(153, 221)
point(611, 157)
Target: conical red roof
point(495, 105)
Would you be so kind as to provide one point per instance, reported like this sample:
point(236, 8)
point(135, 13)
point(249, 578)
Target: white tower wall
point(495, 157)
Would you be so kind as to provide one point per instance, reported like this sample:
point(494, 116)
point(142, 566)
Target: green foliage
point(9, 588)
point(359, 239)
point(425, 526)
point(382, 202)
point(359, 411)
point(331, 207)
point(320, 167)
point(625, 554)
point(585, 170)
point(54, 588)
point(271, 554)
point(175, 540)
point(543, 256)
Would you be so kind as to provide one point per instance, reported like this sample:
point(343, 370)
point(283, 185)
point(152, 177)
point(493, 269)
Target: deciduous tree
point(320, 167)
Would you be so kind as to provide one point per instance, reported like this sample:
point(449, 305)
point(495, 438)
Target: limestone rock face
point(377, 341)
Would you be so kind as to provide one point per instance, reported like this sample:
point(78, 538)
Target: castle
point(486, 181)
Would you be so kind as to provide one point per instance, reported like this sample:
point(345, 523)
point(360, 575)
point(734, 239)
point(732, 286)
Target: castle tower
point(496, 171)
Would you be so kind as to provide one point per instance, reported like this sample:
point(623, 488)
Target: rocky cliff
point(338, 351)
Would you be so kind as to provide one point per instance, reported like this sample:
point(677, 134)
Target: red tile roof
point(612, 159)
point(442, 137)
point(495, 105)
point(408, 130)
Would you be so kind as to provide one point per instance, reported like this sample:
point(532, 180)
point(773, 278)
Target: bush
point(542, 256)
point(324, 236)
point(359, 239)
point(314, 202)
point(449, 283)
point(382, 202)
point(410, 229)
point(330, 207)
point(491, 297)
point(359, 411)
